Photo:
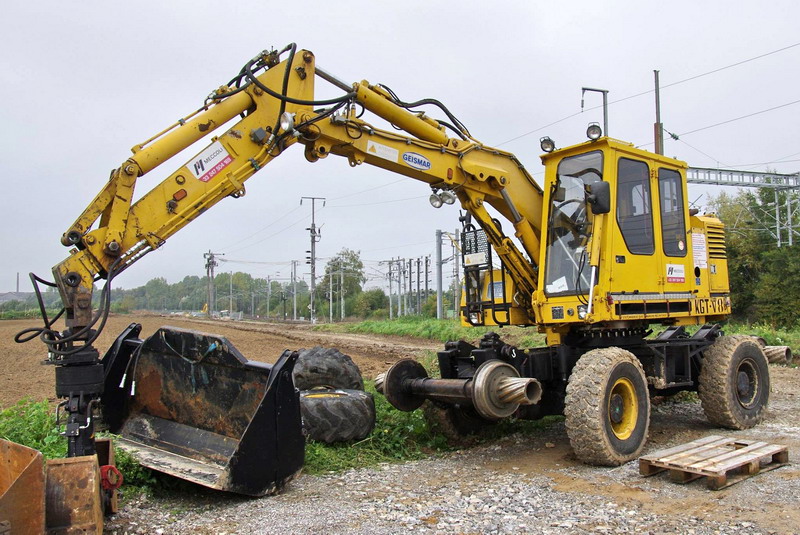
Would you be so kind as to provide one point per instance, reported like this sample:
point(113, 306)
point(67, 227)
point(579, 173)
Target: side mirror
point(599, 197)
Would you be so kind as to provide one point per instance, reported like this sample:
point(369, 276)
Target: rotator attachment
point(496, 390)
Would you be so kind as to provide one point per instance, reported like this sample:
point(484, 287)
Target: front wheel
point(607, 407)
point(734, 382)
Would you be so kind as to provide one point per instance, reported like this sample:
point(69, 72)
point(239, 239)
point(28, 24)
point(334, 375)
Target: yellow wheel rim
point(623, 410)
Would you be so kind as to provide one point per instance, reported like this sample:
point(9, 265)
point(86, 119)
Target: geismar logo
point(417, 161)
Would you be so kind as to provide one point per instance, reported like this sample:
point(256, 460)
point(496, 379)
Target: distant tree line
point(764, 278)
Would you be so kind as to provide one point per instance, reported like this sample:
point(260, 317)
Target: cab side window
point(634, 213)
point(673, 229)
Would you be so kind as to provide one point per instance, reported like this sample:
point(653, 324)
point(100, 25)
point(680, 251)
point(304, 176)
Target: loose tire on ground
point(326, 367)
point(734, 382)
point(607, 407)
point(337, 415)
point(456, 424)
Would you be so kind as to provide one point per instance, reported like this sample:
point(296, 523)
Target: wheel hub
point(746, 383)
point(615, 407)
point(622, 408)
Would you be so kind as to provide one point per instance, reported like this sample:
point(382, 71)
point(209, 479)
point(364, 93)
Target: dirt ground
point(763, 504)
point(22, 375)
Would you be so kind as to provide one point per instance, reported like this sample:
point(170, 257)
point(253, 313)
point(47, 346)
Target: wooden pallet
point(722, 461)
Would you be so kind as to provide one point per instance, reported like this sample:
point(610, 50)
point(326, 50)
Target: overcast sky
point(82, 82)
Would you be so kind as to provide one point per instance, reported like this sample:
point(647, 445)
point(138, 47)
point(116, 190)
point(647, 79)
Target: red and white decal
point(676, 273)
point(210, 162)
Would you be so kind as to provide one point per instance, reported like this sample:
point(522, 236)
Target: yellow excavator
point(602, 251)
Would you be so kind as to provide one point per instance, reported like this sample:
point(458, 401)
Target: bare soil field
point(517, 484)
point(22, 375)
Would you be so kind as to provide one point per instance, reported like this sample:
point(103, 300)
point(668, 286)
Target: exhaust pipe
point(496, 391)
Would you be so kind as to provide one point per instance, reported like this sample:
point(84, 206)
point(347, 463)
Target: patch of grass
point(773, 335)
point(414, 326)
point(398, 436)
point(32, 424)
point(433, 329)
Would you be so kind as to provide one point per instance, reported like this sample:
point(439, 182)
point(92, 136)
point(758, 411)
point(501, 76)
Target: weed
point(32, 424)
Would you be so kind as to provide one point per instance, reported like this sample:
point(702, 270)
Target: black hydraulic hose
point(290, 100)
point(429, 101)
point(458, 132)
point(53, 339)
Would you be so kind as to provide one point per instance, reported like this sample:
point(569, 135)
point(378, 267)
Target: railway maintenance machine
point(602, 254)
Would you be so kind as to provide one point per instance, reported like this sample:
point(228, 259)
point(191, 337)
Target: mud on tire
point(337, 415)
point(734, 382)
point(607, 407)
point(326, 367)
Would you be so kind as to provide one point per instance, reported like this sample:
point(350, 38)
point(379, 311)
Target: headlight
point(447, 197)
point(594, 131)
point(435, 200)
point(582, 311)
point(547, 144)
point(287, 121)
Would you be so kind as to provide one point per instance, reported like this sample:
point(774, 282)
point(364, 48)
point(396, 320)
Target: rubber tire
point(326, 367)
point(588, 419)
point(337, 415)
point(718, 393)
point(454, 423)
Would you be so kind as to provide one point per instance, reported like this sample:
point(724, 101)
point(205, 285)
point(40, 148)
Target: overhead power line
point(739, 118)
point(695, 77)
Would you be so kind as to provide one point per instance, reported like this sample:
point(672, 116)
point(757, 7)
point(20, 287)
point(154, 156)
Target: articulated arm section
point(112, 233)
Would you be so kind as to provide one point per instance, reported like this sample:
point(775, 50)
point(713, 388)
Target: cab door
point(635, 259)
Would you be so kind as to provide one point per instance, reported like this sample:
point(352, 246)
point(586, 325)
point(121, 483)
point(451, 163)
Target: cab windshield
point(569, 228)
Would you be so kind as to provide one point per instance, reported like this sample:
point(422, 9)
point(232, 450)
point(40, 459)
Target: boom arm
point(478, 175)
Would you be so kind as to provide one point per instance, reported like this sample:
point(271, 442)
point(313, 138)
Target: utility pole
point(230, 295)
point(658, 127)
point(427, 274)
point(391, 311)
point(410, 294)
point(211, 263)
point(341, 290)
point(400, 287)
point(419, 302)
point(294, 289)
point(330, 294)
point(456, 268)
point(315, 237)
point(438, 261)
point(269, 295)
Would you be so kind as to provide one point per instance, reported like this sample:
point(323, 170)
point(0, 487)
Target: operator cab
point(619, 242)
point(618, 245)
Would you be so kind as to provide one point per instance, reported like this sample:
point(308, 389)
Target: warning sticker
point(383, 151)
point(474, 259)
point(210, 162)
point(699, 252)
point(676, 273)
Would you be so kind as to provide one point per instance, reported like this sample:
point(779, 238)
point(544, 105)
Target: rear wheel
point(734, 382)
point(607, 407)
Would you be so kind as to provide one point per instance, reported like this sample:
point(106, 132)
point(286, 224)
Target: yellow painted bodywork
point(500, 307)
point(112, 234)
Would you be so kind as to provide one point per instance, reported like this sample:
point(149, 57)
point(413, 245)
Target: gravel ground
point(515, 485)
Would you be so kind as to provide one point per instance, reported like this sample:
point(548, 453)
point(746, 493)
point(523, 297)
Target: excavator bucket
point(22, 480)
point(190, 405)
